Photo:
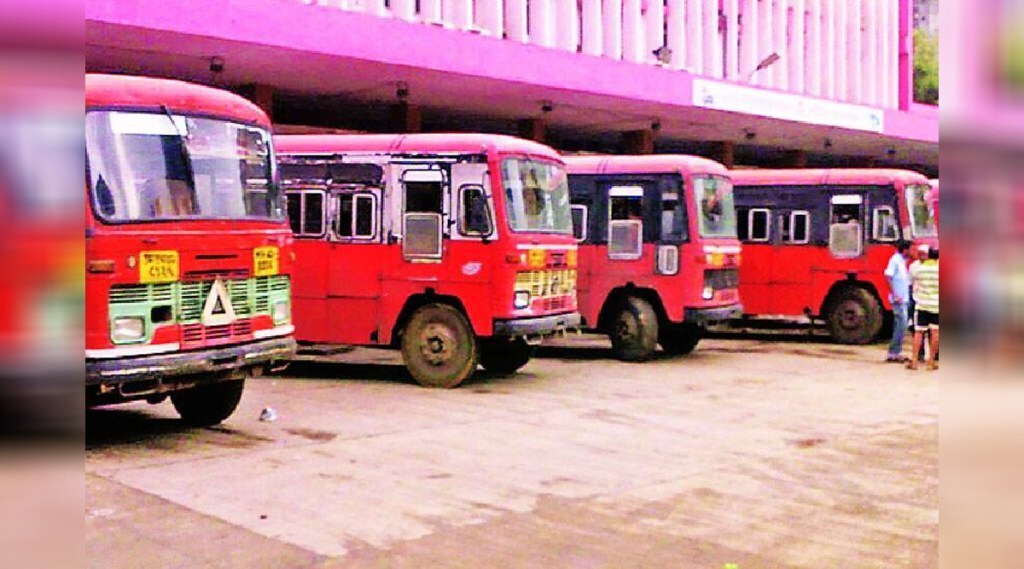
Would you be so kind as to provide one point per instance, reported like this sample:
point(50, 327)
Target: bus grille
point(721, 279)
point(550, 285)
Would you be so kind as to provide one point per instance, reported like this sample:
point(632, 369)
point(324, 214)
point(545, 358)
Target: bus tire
point(634, 330)
point(505, 356)
point(680, 340)
point(854, 316)
point(439, 347)
point(206, 405)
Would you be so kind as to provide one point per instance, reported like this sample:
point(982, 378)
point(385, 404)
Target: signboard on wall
point(740, 99)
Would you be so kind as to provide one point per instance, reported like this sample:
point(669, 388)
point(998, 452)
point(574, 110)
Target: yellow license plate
point(265, 261)
point(158, 266)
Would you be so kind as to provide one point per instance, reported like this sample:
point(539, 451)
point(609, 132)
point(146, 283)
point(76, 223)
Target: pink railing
point(844, 50)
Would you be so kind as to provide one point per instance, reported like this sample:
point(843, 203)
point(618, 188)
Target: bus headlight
point(128, 329)
point(280, 312)
point(708, 294)
point(521, 299)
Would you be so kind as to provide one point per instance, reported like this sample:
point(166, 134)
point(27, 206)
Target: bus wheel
point(680, 340)
point(634, 332)
point(438, 346)
point(505, 356)
point(854, 317)
point(210, 404)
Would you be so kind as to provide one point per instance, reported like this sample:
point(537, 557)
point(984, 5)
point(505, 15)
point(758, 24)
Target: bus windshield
point(922, 214)
point(536, 196)
point(159, 166)
point(716, 210)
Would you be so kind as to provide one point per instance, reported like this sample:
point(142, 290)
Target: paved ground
point(746, 453)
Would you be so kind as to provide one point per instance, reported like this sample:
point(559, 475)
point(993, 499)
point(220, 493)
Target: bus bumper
point(704, 316)
point(542, 326)
point(211, 361)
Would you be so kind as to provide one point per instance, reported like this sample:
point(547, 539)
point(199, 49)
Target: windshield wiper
point(185, 157)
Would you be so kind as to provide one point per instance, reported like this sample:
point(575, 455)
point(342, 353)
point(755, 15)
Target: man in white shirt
point(899, 294)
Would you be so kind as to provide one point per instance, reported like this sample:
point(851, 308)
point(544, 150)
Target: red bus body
point(688, 278)
point(160, 266)
point(815, 242)
point(361, 281)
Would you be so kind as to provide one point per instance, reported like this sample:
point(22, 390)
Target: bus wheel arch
point(853, 312)
point(438, 344)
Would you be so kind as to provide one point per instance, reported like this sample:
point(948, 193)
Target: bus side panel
point(755, 278)
point(589, 298)
point(309, 291)
point(353, 291)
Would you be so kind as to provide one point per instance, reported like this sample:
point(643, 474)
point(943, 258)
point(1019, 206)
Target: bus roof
point(127, 92)
point(410, 144)
point(841, 176)
point(644, 164)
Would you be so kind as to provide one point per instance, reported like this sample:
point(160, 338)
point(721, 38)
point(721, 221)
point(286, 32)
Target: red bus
point(188, 251)
point(815, 242)
point(457, 248)
point(659, 257)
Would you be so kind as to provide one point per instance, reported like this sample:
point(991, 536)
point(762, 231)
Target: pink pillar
point(489, 16)
point(842, 53)
point(780, 75)
point(906, 55)
point(633, 41)
point(695, 36)
point(797, 69)
point(732, 39)
point(654, 26)
point(676, 29)
point(593, 28)
point(749, 46)
point(404, 9)
point(872, 45)
point(712, 40)
point(766, 39)
point(542, 30)
point(567, 31)
point(814, 48)
point(515, 20)
point(612, 12)
point(855, 61)
point(430, 11)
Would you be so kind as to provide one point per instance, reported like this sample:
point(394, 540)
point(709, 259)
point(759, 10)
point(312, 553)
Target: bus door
point(471, 257)
point(846, 226)
point(418, 207)
point(355, 262)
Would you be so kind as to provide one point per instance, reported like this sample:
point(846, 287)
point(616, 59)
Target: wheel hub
point(437, 344)
point(625, 327)
point(851, 316)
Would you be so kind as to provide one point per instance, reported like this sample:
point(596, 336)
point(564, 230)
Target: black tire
point(680, 340)
point(854, 316)
point(505, 356)
point(634, 330)
point(209, 404)
point(439, 347)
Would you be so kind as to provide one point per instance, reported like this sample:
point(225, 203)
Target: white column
point(490, 17)
point(872, 44)
point(430, 11)
point(767, 41)
point(542, 24)
point(676, 28)
point(695, 37)
point(612, 13)
point(404, 9)
point(633, 42)
point(889, 70)
point(780, 76)
point(814, 48)
point(797, 68)
point(828, 43)
point(749, 47)
point(732, 39)
point(855, 57)
point(593, 28)
point(567, 30)
point(515, 20)
point(842, 53)
point(376, 8)
point(654, 26)
point(712, 40)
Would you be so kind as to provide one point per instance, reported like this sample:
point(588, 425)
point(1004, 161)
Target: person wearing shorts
point(924, 278)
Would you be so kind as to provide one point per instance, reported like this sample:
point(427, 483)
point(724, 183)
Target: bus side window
point(845, 235)
point(759, 225)
point(625, 225)
point(306, 213)
point(796, 228)
point(580, 217)
point(673, 218)
point(883, 224)
point(357, 216)
point(422, 221)
point(474, 213)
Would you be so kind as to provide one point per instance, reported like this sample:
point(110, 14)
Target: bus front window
point(921, 208)
point(157, 166)
point(716, 210)
point(536, 196)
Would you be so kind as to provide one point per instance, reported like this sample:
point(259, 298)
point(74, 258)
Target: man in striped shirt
point(924, 277)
